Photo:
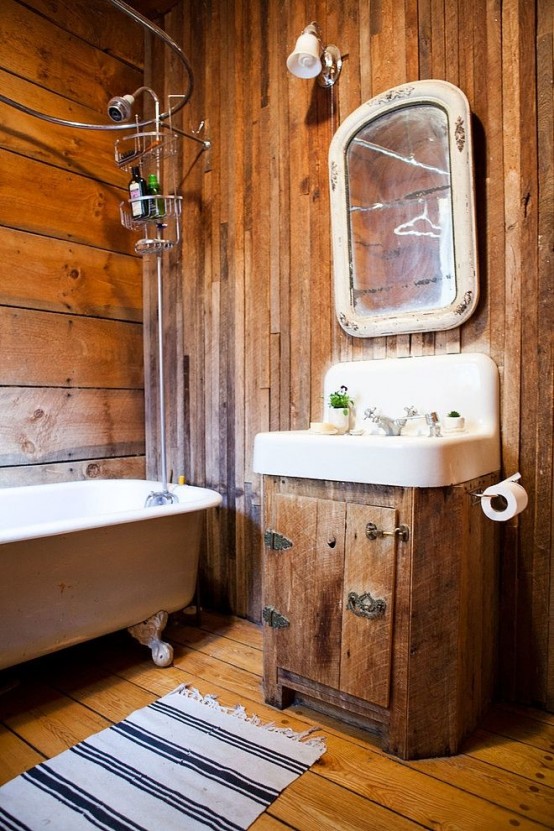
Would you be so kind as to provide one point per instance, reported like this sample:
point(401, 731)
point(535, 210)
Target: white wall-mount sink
point(465, 382)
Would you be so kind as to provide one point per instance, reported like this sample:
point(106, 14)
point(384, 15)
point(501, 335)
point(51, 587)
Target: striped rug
point(184, 762)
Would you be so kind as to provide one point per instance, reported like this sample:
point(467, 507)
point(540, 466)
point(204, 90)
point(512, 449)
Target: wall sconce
point(310, 59)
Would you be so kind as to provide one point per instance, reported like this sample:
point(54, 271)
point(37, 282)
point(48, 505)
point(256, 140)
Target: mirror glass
point(402, 213)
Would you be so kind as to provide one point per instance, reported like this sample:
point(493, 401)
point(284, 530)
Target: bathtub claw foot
point(148, 634)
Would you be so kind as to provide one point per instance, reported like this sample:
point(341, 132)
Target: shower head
point(119, 108)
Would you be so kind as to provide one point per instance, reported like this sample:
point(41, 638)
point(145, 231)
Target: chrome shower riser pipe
point(164, 496)
point(161, 379)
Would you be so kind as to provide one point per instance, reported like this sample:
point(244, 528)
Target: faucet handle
point(370, 412)
point(411, 411)
point(433, 423)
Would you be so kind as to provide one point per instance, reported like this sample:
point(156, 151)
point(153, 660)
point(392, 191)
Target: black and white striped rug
point(183, 762)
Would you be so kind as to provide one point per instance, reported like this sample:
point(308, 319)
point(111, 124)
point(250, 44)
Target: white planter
point(339, 419)
point(454, 422)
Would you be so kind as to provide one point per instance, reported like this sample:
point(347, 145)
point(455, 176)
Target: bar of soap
point(323, 428)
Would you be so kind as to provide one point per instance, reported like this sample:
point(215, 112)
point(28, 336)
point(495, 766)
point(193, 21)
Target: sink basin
point(408, 461)
point(467, 383)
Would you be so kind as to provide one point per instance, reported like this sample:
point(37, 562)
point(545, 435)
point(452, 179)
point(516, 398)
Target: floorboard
point(503, 779)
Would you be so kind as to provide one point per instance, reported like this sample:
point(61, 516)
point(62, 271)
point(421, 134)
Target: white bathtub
point(81, 559)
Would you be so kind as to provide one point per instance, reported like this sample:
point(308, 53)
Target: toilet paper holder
point(477, 496)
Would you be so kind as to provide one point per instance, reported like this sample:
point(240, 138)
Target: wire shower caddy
point(152, 151)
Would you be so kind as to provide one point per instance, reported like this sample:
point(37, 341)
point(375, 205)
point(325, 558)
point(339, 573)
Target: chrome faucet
point(391, 426)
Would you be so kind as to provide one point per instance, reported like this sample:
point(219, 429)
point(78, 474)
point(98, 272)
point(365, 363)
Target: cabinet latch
point(276, 541)
point(364, 605)
point(373, 533)
point(274, 618)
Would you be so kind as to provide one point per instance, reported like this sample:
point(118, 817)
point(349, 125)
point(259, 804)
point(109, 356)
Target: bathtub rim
point(196, 499)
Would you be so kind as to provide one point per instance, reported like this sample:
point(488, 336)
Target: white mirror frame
point(454, 103)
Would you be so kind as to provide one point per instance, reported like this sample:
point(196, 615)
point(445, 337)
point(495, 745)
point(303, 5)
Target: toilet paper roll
point(504, 500)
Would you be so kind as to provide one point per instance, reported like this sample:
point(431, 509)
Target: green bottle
point(157, 206)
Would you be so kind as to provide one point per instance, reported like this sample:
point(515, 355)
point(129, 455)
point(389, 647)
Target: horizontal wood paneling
point(71, 334)
point(89, 153)
point(48, 425)
point(95, 22)
point(68, 351)
point(153, 8)
point(61, 204)
point(129, 467)
point(35, 49)
point(64, 276)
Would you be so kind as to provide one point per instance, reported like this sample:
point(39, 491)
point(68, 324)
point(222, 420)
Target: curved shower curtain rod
point(147, 24)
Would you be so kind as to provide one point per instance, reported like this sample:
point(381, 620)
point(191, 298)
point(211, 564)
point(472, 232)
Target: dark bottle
point(138, 189)
point(156, 206)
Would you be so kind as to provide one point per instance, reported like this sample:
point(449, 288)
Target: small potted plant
point(454, 421)
point(339, 409)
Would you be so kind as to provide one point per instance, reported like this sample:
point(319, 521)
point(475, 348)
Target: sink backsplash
point(467, 383)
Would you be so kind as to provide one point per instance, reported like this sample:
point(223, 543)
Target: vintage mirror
point(402, 212)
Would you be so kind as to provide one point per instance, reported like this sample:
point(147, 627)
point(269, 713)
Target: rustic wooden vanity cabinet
point(380, 606)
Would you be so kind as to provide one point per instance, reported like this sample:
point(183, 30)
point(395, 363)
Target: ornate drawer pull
point(364, 605)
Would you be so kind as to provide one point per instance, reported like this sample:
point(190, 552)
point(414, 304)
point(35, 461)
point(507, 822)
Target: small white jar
point(454, 423)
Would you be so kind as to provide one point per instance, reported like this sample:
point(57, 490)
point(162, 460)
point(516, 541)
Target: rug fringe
point(238, 711)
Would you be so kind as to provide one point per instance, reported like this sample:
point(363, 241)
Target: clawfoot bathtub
point(82, 559)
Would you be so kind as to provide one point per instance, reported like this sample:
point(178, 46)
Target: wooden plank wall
point(71, 375)
point(257, 329)
point(259, 326)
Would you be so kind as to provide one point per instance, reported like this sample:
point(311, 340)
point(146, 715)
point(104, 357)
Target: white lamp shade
point(305, 60)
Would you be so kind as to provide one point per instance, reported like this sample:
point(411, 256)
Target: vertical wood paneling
point(278, 262)
point(279, 86)
point(512, 92)
point(173, 364)
point(532, 564)
point(236, 252)
point(257, 329)
point(264, 228)
point(541, 538)
point(301, 99)
point(197, 171)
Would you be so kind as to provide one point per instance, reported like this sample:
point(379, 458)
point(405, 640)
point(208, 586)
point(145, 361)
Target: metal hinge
point(274, 618)
point(276, 541)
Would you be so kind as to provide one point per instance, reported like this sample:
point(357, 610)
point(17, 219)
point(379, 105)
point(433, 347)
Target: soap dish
point(323, 428)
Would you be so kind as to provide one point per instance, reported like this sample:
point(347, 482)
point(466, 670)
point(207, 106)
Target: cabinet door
point(304, 583)
point(368, 605)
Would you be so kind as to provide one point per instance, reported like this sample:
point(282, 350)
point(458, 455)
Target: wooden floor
point(504, 778)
